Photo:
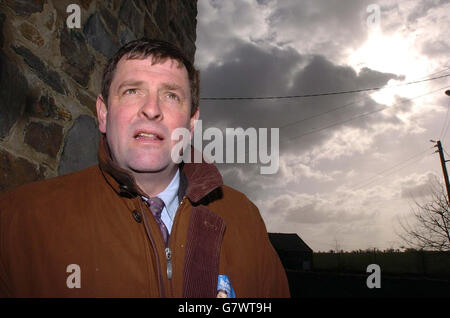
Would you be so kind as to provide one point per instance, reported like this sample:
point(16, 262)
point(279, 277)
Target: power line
point(445, 151)
point(443, 70)
point(356, 117)
point(341, 107)
point(321, 94)
point(446, 129)
point(371, 180)
point(323, 113)
point(363, 115)
point(380, 174)
point(445, 123)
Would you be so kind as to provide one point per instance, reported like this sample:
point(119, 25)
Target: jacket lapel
point(201, 265)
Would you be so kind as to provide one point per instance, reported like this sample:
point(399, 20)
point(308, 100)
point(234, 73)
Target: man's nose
point(150, 107)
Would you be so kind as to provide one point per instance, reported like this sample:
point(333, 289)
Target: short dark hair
point(159, 51)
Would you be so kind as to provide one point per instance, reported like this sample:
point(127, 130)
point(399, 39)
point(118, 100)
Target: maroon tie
point(156, 206)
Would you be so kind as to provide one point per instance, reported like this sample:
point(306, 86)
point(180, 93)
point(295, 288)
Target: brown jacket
point(96, 219)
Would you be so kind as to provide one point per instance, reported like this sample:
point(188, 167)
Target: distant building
point(293, 251)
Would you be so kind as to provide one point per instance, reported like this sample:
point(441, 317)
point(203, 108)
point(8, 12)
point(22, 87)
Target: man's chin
point(149, 168)
point(144, 162)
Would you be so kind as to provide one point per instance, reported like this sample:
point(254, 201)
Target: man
point(137, 224)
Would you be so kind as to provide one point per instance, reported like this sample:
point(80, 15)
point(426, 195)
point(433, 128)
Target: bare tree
point(431, 227)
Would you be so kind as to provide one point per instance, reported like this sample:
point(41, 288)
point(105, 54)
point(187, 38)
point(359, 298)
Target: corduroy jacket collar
point(197, 179)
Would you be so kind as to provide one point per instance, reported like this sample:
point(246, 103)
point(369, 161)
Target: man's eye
point(130, 91)
point(173, 96)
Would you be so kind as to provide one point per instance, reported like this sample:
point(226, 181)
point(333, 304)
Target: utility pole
point(443, 161)
point(444, 168)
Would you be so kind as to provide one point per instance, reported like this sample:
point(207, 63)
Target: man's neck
point(154, 183)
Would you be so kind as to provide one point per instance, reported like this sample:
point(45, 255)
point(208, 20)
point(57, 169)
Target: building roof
point(288, 242)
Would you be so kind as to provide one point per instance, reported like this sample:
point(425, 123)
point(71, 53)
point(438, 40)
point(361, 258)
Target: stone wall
point(50, 75)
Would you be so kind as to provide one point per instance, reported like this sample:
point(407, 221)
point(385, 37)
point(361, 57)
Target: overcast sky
point(350, 164)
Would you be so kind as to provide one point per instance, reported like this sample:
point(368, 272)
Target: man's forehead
point(150, 61)
point(127, 68)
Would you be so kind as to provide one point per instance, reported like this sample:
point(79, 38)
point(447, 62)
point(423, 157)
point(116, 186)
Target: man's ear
point(102, 111)
point(194, 118)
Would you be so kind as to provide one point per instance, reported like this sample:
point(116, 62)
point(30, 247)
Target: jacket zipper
point(168, 251)
point(169, 262)
point(152, 242)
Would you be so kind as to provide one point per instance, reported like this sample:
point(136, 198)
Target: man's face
point(146, 103)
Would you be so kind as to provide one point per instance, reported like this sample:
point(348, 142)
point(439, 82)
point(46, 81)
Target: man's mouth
point(146, 135)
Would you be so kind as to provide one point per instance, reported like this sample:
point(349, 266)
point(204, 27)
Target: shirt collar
point(169, 194)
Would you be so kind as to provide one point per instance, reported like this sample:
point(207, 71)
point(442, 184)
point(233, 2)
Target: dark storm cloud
point(327, 25)
point(263, 2)
point(371, 78)
point(250, 70)
point(321, 75)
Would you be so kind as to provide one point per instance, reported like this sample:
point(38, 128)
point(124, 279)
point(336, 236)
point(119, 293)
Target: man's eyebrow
point(171, 86)
point(129, 83)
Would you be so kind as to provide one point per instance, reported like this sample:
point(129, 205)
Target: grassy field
point(419, 263)
point(403, 274)
point(328, 284)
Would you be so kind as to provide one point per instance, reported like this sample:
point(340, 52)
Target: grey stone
point(31, 33)
point(84, 3)
point(98, 37)
point(79, 62)
point(126, 36)
point(44, 138)
point(177, 36)
point(45, 107)
point(47, 75)
point(151, 30)
point(161, 16)
point(140, 4)
point(25, 7)
point(189, 49)
point(87, 100)
point(109, 19)
point(80, 146)
point(188, 19)
point(15, 171)
point(2, 21)
point(132, 17)
point(13, 94)
point(110, 4)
